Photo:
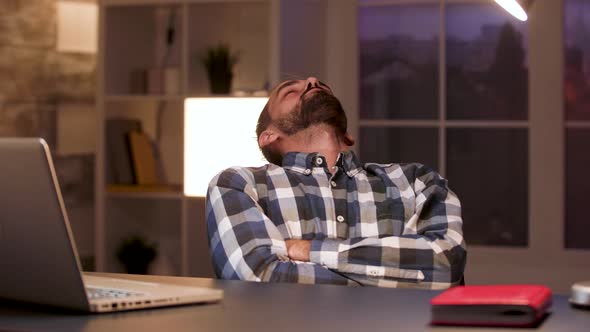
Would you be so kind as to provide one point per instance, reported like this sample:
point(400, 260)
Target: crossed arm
point(247, 245)
point(298, 250)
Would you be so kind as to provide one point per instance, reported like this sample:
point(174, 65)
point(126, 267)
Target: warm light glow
point(77, 26)
point(218, 133)
point(514, 8)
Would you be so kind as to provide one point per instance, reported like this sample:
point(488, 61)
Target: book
point(145, 166)
point(119, 168)
point(491, 305)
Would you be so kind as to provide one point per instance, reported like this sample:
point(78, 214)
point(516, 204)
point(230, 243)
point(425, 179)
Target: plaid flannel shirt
point(384, 225)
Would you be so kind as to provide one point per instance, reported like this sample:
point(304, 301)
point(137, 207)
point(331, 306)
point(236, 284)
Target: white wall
point(302, 39)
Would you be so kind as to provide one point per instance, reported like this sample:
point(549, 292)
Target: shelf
point(115, 3)
point(145, 191)
point(181, 98)
point(149, 62)
point(138, 97)
point(146, 195)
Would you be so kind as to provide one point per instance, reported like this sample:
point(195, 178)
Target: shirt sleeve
point(430, 253)
point(245, 244)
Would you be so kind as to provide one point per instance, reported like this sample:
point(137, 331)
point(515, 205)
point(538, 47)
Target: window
point(447, 85)
point(399, 62)
point(577, 121)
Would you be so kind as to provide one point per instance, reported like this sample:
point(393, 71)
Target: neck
point(320, 138)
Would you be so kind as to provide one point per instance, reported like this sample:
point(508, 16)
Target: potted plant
point(136, 254)
point(219, 63)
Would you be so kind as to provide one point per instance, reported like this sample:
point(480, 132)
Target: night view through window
point(487, 80)
point(487, 75)
point(577, 60)
point(485, 56)
point(399, 62)
point(577, 113)
point(486, 72)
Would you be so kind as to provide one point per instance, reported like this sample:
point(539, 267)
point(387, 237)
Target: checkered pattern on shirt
point(384, 225)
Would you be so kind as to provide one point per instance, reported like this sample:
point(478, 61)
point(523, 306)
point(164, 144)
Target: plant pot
point(136, 255)
point(220, 83)
point(137, 267)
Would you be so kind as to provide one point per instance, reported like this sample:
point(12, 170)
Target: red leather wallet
point(491, 305)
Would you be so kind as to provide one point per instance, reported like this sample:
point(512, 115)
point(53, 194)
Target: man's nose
point(312, 82)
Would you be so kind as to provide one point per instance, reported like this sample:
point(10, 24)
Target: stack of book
point(132, 165)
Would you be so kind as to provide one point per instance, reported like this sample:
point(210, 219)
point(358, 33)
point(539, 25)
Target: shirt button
point(333, 184)
point(318, 161)
point(340, 218)
point(307, 171)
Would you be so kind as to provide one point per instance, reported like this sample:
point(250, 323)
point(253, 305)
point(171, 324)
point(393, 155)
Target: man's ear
point(267, 137)
point(348, 139)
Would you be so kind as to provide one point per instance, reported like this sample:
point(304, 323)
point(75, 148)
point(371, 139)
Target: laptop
point(38, 256)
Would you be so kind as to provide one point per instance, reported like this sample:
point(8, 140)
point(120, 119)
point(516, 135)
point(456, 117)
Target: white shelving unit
point(275, 40)
point(133, 39)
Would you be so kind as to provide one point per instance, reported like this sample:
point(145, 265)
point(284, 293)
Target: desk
point(251, 306)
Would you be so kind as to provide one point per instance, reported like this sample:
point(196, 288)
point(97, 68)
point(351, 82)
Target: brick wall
point(34, 80)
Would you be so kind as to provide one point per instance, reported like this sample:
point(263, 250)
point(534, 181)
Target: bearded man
point(316, 214)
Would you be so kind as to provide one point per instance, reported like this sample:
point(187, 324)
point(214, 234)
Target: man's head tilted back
point(296, 109)
point(264, 221)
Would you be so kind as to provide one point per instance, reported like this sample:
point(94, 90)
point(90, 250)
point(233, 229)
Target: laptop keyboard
point(106, 293)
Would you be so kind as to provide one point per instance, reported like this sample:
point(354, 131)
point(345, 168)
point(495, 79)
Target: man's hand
point(298, 250)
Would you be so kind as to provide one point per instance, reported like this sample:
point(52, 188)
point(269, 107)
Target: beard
point(272, 156)
point(320, 108)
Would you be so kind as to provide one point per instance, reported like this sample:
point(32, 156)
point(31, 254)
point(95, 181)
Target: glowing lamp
point(77, 26)
point(219, 133)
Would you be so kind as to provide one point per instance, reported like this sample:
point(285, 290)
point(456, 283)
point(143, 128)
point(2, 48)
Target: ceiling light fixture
point(518, 8)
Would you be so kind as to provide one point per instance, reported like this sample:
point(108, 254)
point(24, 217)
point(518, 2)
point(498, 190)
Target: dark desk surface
point(274, 307)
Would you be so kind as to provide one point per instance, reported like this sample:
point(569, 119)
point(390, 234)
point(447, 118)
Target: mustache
point(322, 87)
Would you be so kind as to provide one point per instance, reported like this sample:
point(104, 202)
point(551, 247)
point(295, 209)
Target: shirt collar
point(304, 162)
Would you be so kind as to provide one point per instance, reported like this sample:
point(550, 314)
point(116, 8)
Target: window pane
point(488, 170)
point(577, 185)
point(399, 145)
point(399, 61)
point(487, 70)
point(577, 60)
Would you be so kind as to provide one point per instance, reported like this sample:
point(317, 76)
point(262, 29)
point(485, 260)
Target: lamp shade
point(219, 133)
point(518, 8)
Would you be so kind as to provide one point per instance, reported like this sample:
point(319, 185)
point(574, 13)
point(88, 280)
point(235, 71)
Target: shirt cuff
point(325, 252)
